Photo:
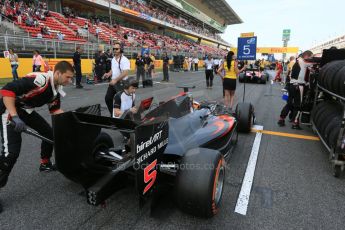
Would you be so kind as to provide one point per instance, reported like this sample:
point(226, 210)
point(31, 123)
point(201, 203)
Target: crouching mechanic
point(125, 100)
point(17, 103)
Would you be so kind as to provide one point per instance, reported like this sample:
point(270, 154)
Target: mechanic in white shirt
point(216, 64)
point(299, 84)
point(209, 65)
point(196, 63)
point(190, 64)
point(120, 67)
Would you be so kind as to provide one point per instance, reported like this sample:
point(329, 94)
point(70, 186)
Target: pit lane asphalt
point(293, 186)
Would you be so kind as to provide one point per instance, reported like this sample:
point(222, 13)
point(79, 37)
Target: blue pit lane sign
point(246, 48)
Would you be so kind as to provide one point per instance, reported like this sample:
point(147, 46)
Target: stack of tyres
point(327, 118)
point(332, 77)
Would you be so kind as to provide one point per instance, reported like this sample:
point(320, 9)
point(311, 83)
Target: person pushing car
point(17, 103)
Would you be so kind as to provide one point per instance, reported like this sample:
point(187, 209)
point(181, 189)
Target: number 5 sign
point(246, 48)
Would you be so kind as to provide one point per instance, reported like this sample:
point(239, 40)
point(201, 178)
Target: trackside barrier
point(25, 65)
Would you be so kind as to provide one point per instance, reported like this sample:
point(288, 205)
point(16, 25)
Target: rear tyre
point(199, 182)
point(101, 146)
point(91, 170)
point(103, 142)
point(244, 115)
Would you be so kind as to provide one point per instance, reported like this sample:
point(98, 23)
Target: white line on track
point(243, 198)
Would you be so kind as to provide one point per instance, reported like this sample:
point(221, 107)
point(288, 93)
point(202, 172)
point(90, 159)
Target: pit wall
point(25, 66)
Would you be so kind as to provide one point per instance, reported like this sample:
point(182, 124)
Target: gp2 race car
point(254, 75)
point(175, 144)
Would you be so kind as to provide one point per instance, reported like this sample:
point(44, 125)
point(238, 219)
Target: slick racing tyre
point(323, 72)
point(244, 115)
point(320, 111)
point(339, 82)
point(325, 112)
point(332, 130)
point(199, 182)
point(331, 75)
point(324, 122)
point(316, 111)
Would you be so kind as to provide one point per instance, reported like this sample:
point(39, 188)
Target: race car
point(175, 143)
point(254, 75)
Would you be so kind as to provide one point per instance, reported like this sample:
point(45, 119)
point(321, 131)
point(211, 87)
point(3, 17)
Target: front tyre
point(244, 115)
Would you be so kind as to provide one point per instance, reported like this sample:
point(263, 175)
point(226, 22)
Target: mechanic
point(77, 67)
point(196, 63)
point(229, 79)
point(100, 64)
point(151, 69)
point(293, 73)
point(140, 69)
point(290, 65)
point(120, 67)
point(165, 67)
point(19, 98)
point(209, 71)
point(124, 100)
point(109, 56)
point(299, 86)
point(216, 63)
point(296, 89)
point(279, 70)
point(262, 64)
point(148, 69)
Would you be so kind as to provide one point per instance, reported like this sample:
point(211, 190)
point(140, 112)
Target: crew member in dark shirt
point(77, 67)
point(165, 67)
point(18, 101)
point(140, 67)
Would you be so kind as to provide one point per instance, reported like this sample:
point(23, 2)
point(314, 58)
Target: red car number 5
point(150, 176)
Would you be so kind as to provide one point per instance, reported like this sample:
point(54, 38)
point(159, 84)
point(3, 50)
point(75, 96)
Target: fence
point(55, 47)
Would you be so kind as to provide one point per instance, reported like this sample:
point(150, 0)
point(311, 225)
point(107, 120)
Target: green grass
point(3, 81)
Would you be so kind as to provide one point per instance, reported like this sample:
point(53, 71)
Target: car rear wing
point(74, 136)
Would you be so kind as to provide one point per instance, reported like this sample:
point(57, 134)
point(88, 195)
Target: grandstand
point(176, 26)
point(338, 42)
